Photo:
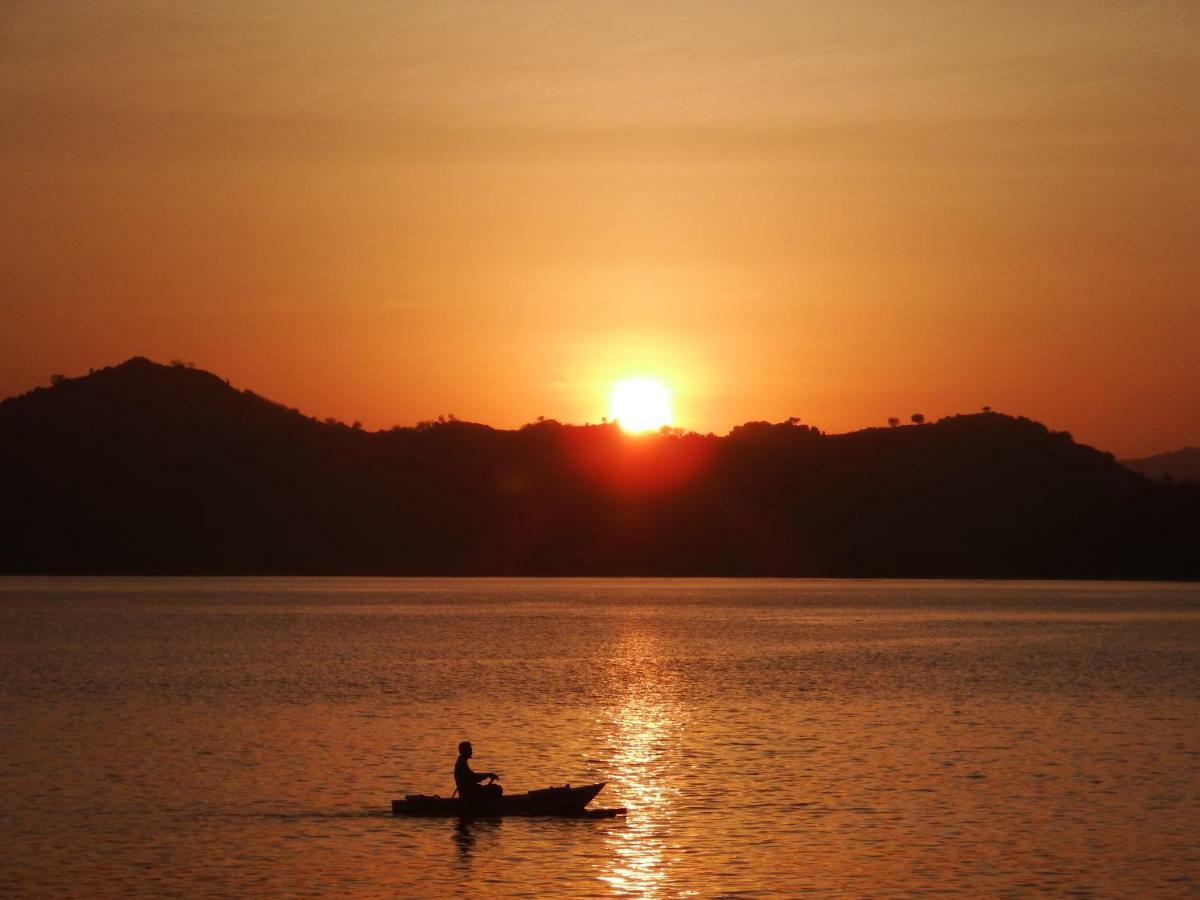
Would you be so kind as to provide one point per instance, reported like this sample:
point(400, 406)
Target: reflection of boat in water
point(553, 801)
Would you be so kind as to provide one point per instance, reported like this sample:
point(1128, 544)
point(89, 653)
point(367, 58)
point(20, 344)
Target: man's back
point(465, 779)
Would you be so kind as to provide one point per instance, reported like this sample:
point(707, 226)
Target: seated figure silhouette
point(467, 781)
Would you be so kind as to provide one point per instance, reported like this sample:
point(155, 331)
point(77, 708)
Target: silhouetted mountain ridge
point(1179, 465)
point(143, 468)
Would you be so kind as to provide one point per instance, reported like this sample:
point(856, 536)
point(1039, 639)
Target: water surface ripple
point(209, 737)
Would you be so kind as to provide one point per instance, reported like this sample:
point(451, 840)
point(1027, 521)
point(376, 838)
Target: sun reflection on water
point(644, 734)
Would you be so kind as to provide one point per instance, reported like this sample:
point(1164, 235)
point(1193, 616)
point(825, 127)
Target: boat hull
point(554, 801)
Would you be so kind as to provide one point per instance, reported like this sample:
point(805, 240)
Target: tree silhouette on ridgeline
point(142, 468)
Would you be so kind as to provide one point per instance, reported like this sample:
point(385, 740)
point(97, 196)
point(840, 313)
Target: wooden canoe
point(552, 801)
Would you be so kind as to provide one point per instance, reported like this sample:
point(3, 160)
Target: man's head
point(464, 749)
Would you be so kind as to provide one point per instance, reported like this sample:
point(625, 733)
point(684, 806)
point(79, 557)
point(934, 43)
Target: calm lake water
point(242, 737)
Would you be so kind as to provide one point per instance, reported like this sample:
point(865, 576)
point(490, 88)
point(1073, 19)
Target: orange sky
point(840, 211)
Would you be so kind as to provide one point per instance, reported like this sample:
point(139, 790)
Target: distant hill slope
point(143, 468)
point(1182, 465)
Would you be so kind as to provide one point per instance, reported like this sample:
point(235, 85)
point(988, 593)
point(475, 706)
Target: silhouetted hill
point(143, 468)
point(1181, 465)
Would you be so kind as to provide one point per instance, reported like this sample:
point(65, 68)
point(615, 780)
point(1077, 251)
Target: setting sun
point(640, 404)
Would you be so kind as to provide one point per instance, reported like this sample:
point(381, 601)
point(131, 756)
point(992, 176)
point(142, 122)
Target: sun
point(640, 404)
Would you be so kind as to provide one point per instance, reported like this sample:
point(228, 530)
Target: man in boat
point(467, 781)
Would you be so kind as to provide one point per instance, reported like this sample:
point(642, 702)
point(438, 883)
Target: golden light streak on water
point(646, 731)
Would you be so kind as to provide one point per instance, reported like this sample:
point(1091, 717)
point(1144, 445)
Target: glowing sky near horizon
point(839, 211)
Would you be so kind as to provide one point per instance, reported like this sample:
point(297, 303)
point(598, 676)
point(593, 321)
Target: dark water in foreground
point(245, 737)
